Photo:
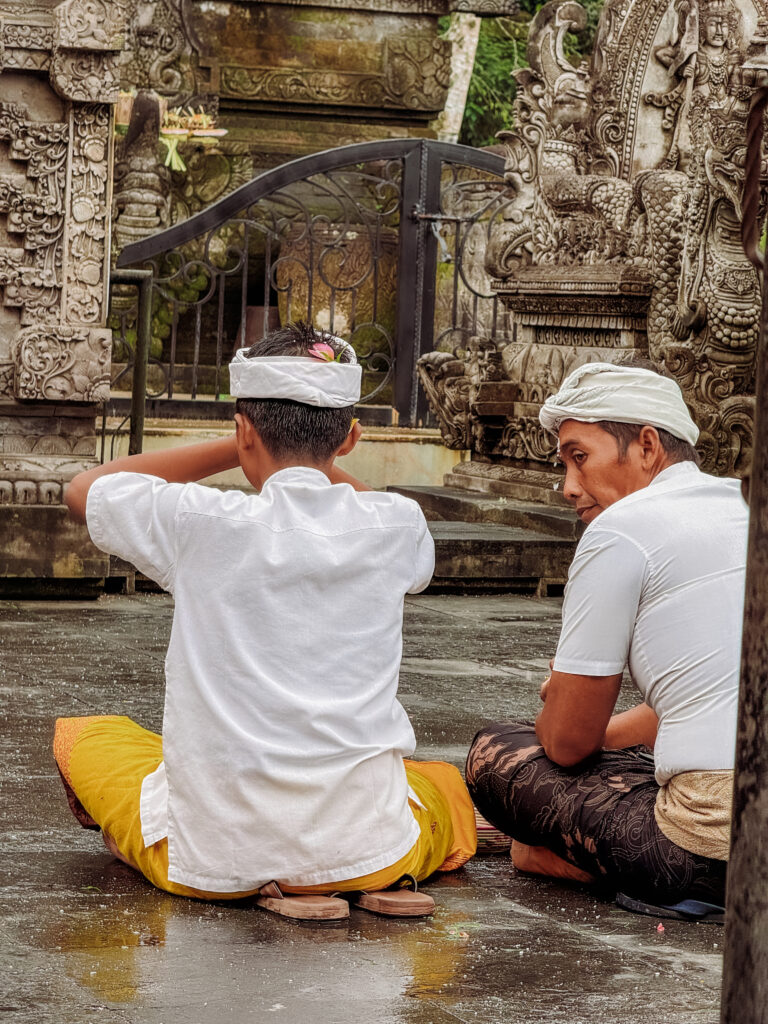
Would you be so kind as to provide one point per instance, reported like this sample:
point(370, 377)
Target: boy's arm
point(175, 465)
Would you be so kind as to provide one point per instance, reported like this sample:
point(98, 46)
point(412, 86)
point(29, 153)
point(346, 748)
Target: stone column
point(58, 78)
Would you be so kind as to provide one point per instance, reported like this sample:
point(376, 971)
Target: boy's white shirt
point(283, 737)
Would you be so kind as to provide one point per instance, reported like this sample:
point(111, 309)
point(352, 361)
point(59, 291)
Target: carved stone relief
point(481, 7)
point(414, 74)
point(161, 50)
point(89, 216)
point(91, 24)
point(63, 364)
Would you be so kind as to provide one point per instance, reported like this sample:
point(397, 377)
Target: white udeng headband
point(330, 385)
point(623, 394)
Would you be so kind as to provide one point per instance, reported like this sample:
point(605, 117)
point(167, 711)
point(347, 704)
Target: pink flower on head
point(322, 350)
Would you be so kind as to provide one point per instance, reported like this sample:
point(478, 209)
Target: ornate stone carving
point(142, 184)
point(23, 36)
point(485, 8)
point(415, 75)
point(62, 365)
point(628, 177)
point(161, 47)
point(54, 188)
point(85, 282)
point(85, 77)
point(447, 387)
point(37, 480)
point(30, 275)
point(91, 24)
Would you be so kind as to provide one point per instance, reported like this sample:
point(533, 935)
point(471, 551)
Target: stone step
point(456, 504)
point(489, 556)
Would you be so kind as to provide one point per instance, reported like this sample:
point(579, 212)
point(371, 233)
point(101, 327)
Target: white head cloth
point(624, 394)
point(304, 379)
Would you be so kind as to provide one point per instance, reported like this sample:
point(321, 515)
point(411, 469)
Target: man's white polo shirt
point(657, 584)
point(283, 737)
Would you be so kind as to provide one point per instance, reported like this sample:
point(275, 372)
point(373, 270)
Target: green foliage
point(501, 50)
point(184, 289)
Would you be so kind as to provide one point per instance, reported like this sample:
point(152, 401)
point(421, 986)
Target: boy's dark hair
point(676, 448)
point(292, 429)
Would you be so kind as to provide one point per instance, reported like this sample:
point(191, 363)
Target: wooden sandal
point(396, 902)
point(302, 908)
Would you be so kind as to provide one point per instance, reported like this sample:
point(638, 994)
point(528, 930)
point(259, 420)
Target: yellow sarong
point(104, 759)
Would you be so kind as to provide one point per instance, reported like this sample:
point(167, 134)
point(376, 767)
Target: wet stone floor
point(84, 940)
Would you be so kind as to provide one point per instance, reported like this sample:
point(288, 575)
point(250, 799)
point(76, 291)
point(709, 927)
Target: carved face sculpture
point(716, 30)
point(571, 100)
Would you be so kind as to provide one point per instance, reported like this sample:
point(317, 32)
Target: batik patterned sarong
point(598, 815)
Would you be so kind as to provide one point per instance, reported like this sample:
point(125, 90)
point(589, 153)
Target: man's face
point(595, 477)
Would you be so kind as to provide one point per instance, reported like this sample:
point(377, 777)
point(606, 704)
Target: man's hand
point(175, 465)
point(545, 684)
point(571, 726)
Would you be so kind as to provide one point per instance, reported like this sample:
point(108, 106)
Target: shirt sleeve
point(133, 516)
point(424, 559)
point(605, 583)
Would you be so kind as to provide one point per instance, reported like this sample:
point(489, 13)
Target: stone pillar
point(58, 78)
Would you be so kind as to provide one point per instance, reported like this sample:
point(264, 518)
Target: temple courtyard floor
point(85, 940)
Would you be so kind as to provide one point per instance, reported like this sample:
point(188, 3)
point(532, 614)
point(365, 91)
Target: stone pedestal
point(59, 76)
point(558, 322)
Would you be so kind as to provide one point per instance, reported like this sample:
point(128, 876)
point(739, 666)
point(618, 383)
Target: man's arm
point(175, 465)
point(638, 725)
point(338, 476)
point(575, 716)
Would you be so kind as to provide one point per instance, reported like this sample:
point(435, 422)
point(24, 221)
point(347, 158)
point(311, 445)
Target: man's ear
point(350, 440)
point(649, 440)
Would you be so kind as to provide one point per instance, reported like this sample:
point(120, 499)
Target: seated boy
point(280, 768)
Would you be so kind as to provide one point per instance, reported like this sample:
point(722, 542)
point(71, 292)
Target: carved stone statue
point(142, 191)
point(623, 236)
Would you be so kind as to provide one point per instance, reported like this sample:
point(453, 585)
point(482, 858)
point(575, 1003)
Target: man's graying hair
point(292, 429)
point(676, 449)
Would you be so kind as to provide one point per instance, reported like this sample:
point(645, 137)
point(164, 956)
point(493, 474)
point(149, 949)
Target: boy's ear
point(245, 432)
point(350, 440)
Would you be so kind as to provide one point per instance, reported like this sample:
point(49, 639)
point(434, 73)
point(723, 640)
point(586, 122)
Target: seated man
point(656, 586)
point(280, 768)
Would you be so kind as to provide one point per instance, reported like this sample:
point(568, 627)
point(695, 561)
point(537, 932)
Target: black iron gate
point(381, 243)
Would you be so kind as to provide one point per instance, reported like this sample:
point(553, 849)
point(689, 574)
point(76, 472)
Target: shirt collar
point(676, 470)
point(305, 475)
